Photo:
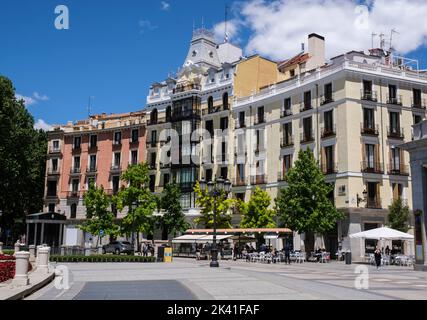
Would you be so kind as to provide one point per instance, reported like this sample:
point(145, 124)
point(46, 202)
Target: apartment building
point(353, 113)
point(96, 150)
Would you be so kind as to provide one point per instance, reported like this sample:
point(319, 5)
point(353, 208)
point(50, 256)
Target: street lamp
point(359, 199)
point(218, 189)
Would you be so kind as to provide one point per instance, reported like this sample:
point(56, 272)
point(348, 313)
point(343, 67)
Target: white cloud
point(41, 124)
point(146, 25)
point(28, 101)
point(40, 97)
point(279, 27)
point(232, 31)
point(165, 5)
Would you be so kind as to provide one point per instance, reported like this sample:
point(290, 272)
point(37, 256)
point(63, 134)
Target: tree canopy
point(256, 213)
point(23, 153)
point(398, 217)
point(304, 205)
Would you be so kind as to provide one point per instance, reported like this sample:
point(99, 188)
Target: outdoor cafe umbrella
point(383, 233)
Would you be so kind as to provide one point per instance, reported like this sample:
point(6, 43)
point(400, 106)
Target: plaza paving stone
point(187, 279)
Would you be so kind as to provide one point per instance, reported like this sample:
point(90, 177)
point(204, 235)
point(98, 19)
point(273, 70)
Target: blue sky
point(114, 50)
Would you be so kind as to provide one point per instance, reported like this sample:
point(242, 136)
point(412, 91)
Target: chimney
point(316, 51)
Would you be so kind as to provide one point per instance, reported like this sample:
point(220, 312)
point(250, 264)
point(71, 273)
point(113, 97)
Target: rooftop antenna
point(203, 22)
point(373, 36)
point(382, 41)
point(391, 39)
point(89, 106)
point(226, 21)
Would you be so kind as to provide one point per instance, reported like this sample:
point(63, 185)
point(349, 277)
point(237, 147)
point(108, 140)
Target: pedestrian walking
point(377, 255)
point(287, 254)
point(145, 249)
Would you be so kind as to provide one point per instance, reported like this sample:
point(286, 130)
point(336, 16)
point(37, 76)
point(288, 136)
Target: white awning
point(209, 238)
point(383, 233)
point(187, 238)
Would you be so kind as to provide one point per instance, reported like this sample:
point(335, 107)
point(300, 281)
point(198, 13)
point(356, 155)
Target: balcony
point(93, 148)
point(368, 95)
point(53, 171)
point(328, 132)
point(370, 130)
point(372, 167)
point(213, 110)
point(185, 115)
point(53, 150)
point(152, 143)
point(186, 186)
point(287, 141)
point(373, 203)
point(239, 182)
point(51, 196)
point(165, 165)
point(259, 119)
point(77, 148)
point(395, 133)
point(75, 171)
point(189, 87)
point(133, 143)
point(395, 100)
point(259, 179)
point(152, 166)
point(73, 194)
point(326, 99)
point(305, 106)
point(91, 170)
point(329, 168)
point(239, 125)
point(307, 137)
point(281, 176)
point(419, 104)
point(115, 168)
point(398, 169)
point(117, 144)
point(285, 113)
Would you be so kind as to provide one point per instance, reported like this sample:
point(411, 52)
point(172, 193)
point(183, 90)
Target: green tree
point(206, 203)
point(23, 153)
point(303, 205)
point(398, 217)
point(173, 219)
point(139, 200)
point(256, 213)
point(100, 220)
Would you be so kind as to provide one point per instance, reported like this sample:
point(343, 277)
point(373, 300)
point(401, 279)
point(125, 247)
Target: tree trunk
point(138, 244)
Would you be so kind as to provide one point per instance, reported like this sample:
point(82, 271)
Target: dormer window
point(194, 53)
point(212, 80)
point(211, 54)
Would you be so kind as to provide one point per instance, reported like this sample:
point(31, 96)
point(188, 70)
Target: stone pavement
point(188, 279)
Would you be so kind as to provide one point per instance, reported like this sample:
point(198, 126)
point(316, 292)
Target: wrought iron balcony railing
point(395, 133)
point(367, 129)
point(372, 167)
point(398, 169)
point(368, 95)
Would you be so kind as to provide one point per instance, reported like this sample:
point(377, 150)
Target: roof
point(299, 58)
point(241, 230)
point(190, 238)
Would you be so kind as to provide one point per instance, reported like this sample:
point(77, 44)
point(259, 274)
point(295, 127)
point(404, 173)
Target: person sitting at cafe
point(387, 250)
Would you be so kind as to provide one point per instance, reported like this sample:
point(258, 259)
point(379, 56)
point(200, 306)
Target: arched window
point(225, 101)
point(168, 114)
point(210, 104)
point(73, 211)
point(153, 116)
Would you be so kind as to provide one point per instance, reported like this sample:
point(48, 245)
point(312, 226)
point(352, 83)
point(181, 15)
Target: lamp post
point(216, 190)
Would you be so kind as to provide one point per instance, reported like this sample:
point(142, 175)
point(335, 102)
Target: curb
point(26, 292)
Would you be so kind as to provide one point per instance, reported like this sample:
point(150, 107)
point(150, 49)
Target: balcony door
point(367, 88)
point(395, 159)
point(368, 118)
point(370, 156)
point(394, 122)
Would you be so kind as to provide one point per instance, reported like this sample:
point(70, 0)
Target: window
point(153, 137)
point(328, 93)
point(134, 157)
point(287, 106)
point(76, 164)
point(417, 101)
point(287, 163)
point(373, 200)
point(153, 116)
point(225, 101)
point(117, 137)
point(92, 162)
point(75, 185)
point(54, 165)
point(292, 73)
point(55, 144)
point(242, 119)
point(329, 121)
point(287, 133)
point(117, 159)
point(397, 189)
point(417, 119)
point(240, 172)
point(51, 188)
point(367, 87)
point(93, 141)
point(73, 211)
point(51, 207)
point(370, 156)
point(328, 163)
point(224, 123)
point(307, 100)
point(260, 114)
point(210, 104)
point(135, 135)
point(208, 175)
point(210, 127)
point(77, 142)
point(392, 92)
point(307, 127)
point(168, 113)
point(394, 122)
point(395, 159)
point(166, 179)
point(368, 118)
point(224, 173)
point(152, 182)
point(153, 160)
point(116, 184)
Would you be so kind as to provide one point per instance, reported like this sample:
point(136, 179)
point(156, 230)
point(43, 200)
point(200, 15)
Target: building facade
point(96, 150)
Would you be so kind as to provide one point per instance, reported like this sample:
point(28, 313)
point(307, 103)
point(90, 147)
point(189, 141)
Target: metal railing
point(395, 132)
point(328, 132)
point(259, 179)
point(372, 167)
point(75, 171)
point(54, 150)
point(326, 99)
point(239, 182)
point(369, 130)
point(368, 95)
point(287, 141)
point(398, 169)
point(53, 171)
point(91, 169)
point(259, 119)
point(239, 125)
point(307, 137)
point(373, 203)
point(285, 113)
point(115, 168)
point(395, 100)
point(419, 104)
point(329, 168)
point(305, 106)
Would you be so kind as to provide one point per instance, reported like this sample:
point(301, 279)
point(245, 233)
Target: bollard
point(32, 250)
point(17, 247)
point(43, 259)
point(21, 269)
point(87, 249)
point(37, 252)
point(62, 250)
point(1, 247)
point(100, 250)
